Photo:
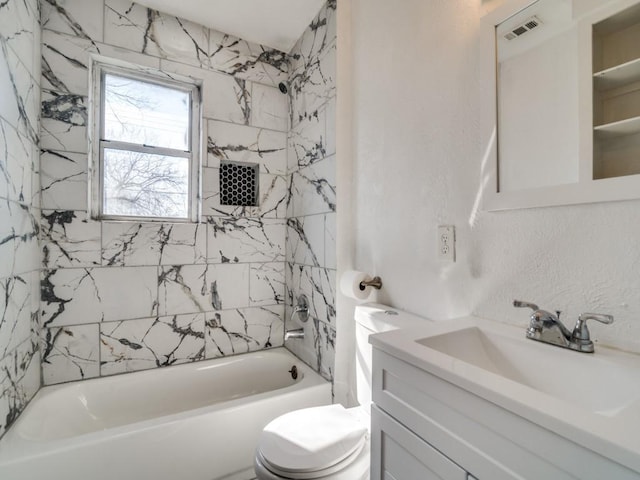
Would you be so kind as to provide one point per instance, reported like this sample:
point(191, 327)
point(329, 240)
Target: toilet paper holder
point(375, 282)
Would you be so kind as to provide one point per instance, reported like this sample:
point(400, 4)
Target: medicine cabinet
point(567, 118)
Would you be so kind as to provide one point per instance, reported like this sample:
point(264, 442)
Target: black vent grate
point(239, 184)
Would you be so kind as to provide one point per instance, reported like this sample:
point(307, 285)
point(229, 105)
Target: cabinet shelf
point(628, 126)
point(618, 76)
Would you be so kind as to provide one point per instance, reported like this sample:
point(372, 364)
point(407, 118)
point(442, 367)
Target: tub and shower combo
point(199, 421)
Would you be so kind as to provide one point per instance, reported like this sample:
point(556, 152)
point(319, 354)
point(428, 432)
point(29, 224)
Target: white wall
point(419, 106)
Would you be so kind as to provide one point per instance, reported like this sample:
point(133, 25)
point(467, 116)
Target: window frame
point(100, 67)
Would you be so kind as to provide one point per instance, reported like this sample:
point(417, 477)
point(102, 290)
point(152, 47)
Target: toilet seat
point(311, 475)
point(313, 443)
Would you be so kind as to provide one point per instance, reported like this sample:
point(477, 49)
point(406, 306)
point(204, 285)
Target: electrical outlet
point(447, 243)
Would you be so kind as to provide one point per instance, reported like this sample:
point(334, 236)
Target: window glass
point(146, 163)
point(144, 184)
point(145, 113)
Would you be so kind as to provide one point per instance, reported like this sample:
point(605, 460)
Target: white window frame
point(97, 144)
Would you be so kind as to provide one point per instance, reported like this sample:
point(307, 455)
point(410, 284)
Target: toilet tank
point(375, 318)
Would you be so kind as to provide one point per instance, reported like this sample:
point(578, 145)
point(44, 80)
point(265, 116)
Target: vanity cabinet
point(425, 427)
point(616, 92)
point(404, 455)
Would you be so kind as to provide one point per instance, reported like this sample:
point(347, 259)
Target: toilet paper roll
point(350, 284)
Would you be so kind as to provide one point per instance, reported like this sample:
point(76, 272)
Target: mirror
point(568, 102)
point(537, 74)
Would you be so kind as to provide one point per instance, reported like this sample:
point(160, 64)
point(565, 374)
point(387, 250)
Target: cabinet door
point(398, 454)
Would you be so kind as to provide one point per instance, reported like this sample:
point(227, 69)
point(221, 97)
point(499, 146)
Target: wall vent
point(239, 184)
point(524, 27)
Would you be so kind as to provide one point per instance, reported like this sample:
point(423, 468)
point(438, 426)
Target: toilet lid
point(311, 439)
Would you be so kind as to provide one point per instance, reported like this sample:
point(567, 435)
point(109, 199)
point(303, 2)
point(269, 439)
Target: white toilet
point(330, 442)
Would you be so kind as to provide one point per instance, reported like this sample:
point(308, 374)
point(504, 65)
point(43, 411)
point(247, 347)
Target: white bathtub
point(190, 422)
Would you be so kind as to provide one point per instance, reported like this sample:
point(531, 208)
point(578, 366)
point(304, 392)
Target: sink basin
point(591, 399)
point(606, 382)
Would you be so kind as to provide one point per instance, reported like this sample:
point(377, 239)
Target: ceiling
point(274, 23)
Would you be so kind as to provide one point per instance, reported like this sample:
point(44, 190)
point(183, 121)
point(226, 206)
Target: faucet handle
point(521, 304)
point(580, 335)
point(600, 317)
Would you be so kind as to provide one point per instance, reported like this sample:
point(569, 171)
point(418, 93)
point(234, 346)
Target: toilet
point(330, 442)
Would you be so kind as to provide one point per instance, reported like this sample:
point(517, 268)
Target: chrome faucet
point(295, 333)
point(546, 327)
point(302, 309)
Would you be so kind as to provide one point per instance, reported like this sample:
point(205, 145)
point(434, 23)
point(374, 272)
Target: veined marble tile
point(272, 197)
point(313, 188)
point(305, 240)
point(326, 349)
point(80, 18)
point(289, 273)
point(19, 106)
point(15, 312)
point(64, 122)
point(307, 141)
point(66, 59)
point(319, 285)
point(65, 63)
point(316, 39)
point(17, 164)
point(19, 26)
point(35, 177)
point(63, 180)
point(247, 60)
point(144, 30)
point(270, 108)
point(74, 296)
point(317, 348)
point(128, 244)
point(18, 239)
point(312, 78)
point(230, 332)
point(242, 240)
point(19, 381)
point(184, 289)
point(315, 85)
point(229, 286)
point(330, 119)
point(70, 353)
point(223, 96)
point(318, 36)
point(34, 282)
point(266, 284)
point(146, 343)
point(240, 143)
point(330, 237)
point(69, 239)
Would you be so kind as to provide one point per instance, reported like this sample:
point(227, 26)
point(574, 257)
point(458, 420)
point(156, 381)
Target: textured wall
point(311, 216)
point(19, 209)
point(119, 297)
point(420, 138)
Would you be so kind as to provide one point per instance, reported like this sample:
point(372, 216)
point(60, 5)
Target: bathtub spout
point(297, 333)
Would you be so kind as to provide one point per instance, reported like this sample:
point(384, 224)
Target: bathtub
point(198, 421)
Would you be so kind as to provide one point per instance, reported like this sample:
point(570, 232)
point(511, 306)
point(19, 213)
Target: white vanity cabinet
point(405, 456)
point(424, 427)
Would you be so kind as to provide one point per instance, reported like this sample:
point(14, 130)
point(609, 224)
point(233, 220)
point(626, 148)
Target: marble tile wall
point(19, 206)
point(311, 209)
point(121, 296)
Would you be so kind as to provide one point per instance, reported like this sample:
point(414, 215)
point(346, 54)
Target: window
point(146, 157)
